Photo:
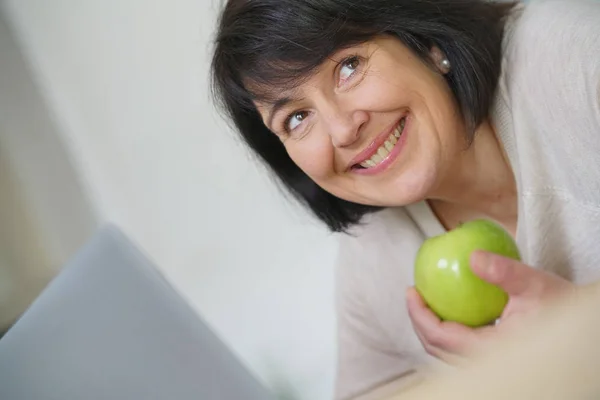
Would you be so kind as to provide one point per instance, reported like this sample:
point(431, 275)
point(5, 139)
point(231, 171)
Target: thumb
point(511, 275)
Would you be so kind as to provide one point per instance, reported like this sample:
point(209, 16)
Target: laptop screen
point(110, 327)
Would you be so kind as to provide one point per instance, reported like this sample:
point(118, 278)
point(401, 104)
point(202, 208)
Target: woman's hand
point(528, 290)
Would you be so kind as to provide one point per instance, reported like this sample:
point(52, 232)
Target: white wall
point(44, 213)
point(126, 82)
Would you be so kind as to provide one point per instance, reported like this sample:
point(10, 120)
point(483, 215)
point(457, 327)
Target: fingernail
point(488, 266)
point(410, 294)
point(481, 260)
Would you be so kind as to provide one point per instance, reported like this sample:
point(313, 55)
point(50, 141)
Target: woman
point(395, 120)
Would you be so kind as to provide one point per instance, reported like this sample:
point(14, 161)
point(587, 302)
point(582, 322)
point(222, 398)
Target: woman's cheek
point(314, 156)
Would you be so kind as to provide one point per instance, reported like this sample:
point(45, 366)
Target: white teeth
point(400, 128)
point(384, 150)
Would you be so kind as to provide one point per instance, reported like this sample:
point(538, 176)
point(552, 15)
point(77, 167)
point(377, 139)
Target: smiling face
point(374, 125)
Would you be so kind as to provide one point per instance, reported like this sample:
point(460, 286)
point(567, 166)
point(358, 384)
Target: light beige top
point(547, 115)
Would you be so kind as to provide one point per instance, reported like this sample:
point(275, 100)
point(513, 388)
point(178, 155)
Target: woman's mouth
point(385, 153)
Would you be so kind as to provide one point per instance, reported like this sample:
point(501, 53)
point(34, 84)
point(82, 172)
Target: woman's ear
point(440, 60)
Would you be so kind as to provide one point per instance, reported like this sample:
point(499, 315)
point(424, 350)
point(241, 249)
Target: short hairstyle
point(278, 43)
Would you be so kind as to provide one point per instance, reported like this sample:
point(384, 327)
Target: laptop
point(110, 327)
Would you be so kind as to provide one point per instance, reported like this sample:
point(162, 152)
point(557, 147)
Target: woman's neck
point(480, 184)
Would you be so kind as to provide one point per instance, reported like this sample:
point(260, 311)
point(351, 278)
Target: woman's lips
point(386, 153)
point(372, 148)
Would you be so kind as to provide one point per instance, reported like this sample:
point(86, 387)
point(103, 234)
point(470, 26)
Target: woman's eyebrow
point(278, 105)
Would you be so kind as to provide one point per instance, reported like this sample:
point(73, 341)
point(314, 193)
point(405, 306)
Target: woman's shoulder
point(389, 227)
point(374, 268)
point(551, 16)
point(549, 8)
point(395, 232)
point(551, 70)
point(381, 248)
point(553, 33)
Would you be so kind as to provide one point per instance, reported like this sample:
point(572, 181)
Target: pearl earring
point(445, 64)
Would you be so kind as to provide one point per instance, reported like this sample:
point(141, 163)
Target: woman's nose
point(345, 128)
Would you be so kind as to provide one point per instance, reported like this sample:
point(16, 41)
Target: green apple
point(447, 284)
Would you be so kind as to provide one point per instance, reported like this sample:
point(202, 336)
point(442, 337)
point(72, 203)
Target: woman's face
point(374, 125)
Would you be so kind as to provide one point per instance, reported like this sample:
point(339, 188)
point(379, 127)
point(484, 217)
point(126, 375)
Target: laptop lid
point(110, 327)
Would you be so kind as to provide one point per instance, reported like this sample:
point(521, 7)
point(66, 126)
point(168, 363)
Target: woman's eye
point(295, 120)
point(348, 68)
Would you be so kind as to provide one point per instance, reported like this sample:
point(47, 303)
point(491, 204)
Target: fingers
point(425, 322)
point(511, 275)
point(517, 279)
point(442, 339)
